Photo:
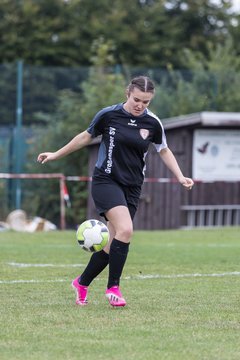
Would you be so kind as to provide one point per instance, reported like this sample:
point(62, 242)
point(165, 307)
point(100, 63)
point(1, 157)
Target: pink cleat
point(81, 292)
point(115, 297)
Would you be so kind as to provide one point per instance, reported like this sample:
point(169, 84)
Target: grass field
point(182, 289)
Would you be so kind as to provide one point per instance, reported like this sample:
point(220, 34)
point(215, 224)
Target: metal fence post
point(18, 149)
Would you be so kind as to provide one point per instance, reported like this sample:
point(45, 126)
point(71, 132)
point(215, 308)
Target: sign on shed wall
point(216, 155)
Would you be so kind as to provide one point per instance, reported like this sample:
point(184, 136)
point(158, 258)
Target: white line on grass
point(175, 276)
point(43, 265)
point(31, 281)
point(137, 277)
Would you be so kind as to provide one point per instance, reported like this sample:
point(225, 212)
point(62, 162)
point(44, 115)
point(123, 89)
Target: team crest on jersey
point(144, 133)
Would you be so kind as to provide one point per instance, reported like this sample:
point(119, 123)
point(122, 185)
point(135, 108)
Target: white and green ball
point(92, 235)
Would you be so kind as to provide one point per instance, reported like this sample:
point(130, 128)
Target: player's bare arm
point(78, 142)
point(171, 162)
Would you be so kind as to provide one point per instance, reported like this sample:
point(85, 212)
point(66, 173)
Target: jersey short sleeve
point(159, 138)
point(98, 123)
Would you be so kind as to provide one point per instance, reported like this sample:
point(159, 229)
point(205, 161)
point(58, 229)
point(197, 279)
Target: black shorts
point(107, 194)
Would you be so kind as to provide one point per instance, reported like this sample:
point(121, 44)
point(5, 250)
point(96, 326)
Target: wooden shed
point(207, 148)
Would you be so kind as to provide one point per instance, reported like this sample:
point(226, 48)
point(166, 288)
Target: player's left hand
point(187, 183)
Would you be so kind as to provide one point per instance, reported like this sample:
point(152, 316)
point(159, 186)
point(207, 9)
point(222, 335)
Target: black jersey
point(125, 142)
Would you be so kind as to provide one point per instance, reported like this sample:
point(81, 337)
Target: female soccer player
point(127, 129)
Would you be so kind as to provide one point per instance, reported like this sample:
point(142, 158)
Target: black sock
point(117, 258)
point(96, 265)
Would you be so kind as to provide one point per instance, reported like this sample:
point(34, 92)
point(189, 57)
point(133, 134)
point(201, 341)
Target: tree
point(209, 84)
point(39, 32)
point(8, 81)
point(147, 33)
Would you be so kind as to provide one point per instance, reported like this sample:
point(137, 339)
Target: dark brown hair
point(143, 83)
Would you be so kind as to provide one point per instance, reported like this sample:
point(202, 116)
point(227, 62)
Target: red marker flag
point(66, 195)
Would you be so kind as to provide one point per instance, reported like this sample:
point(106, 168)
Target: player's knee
point(125, 233)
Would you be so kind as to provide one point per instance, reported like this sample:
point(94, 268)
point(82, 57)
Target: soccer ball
point(92, 235)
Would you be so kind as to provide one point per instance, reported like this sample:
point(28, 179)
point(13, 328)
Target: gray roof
point(205, 118)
